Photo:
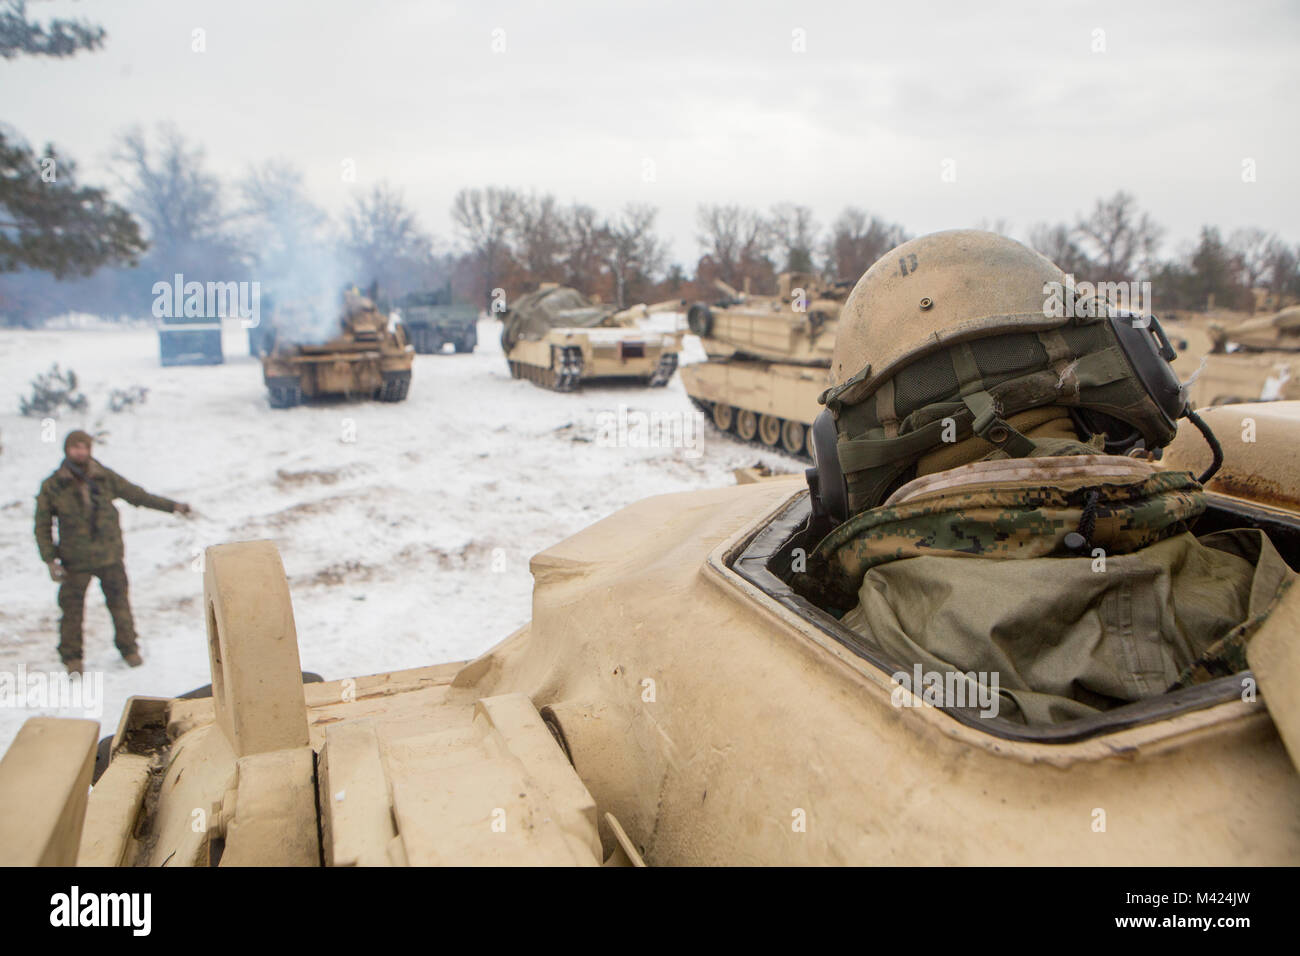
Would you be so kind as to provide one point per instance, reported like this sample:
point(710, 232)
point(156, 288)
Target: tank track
point(395, 387)
point(563, 375)
point(707, 409)
point(284, 392)
point(664, 371)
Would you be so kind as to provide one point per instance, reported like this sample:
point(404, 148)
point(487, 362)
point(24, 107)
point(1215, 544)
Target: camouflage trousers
point(72, 601)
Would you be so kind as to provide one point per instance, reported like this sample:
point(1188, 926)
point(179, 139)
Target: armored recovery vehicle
point(365, 360)
point(557, 338)
point(1258, 360)
point(768, 360)
point(430, 321)
point(606, 730)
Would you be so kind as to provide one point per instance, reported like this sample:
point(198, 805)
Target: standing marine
point(986, 480)
point(79, 496)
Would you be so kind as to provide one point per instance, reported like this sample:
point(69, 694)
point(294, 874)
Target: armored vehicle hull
point(769, 358)
point(557, 338)
point(1258, 360)
point(771, 403)
point(565, 358)
point(365, 361)
point(606, 729)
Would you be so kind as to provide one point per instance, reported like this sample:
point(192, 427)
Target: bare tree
point(736, 239)
point(1252, 249)
point(586, 247)
point(1057, 243)
point(634, 254)
point(279, 218)
point(1118, 240)
point(857, 241)
point(537, 228)
point(179, 201)
point(1283, 270)
point(385, 242)
point(274, 195)
point(795, 232)
point(484, 218)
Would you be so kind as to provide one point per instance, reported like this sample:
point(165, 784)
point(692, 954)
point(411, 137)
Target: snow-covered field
point(405, 529)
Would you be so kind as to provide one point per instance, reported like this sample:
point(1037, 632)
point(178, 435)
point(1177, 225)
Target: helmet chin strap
point(1215, 448)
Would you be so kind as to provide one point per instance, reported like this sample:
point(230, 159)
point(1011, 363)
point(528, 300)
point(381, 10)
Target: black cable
point(1210, 440)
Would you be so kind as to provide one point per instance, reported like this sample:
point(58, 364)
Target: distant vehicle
point(432, 320)
point(190, 341)
point(1258, 360)
point(769, 358)
point(365, 360)
point(557, 338)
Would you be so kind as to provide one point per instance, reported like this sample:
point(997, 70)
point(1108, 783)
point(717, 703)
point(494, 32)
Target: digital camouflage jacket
point(90, 535)
point(969, 571)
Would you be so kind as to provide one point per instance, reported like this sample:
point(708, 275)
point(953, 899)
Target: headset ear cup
point(830, 487)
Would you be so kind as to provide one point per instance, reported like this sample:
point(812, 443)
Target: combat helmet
point(950, 335)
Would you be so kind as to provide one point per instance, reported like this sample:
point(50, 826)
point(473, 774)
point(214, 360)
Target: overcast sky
point(678, 103)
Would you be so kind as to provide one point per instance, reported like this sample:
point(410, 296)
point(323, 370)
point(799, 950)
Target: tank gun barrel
point(641, 310)
point(727, 290)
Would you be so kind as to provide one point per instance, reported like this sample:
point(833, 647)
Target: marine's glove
point(181, 508)
point(57, 572)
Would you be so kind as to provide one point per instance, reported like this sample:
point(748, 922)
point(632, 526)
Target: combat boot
point(73, 666)
point(133, 659)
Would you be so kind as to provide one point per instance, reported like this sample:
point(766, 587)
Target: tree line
point(66, 247)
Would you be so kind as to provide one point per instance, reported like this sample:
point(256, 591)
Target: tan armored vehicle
point(768, 360)
point(558, 338)
point(608, 730)
point(1258, 360)
point(365, 360)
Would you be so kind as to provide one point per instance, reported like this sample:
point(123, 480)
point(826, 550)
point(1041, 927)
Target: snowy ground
point(407, 545)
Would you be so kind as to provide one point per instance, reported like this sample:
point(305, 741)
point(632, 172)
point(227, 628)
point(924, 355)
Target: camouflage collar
point(1015, 520)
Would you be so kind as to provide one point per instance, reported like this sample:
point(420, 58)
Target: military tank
point(365, 360)
point(605, 729)
point(558, 338)
point(431, 320)
point(768, 358)
point(1257, 360)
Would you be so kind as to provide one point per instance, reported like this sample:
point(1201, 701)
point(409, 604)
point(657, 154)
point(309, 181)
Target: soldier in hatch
point(80, 496)
point(984, 463)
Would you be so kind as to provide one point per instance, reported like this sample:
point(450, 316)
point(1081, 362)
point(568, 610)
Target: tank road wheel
point(792, 436)
point(395, 387)
point(769, 430)
point(284, 392)
point(746, 424)
point(724, 416)
point(699, 320)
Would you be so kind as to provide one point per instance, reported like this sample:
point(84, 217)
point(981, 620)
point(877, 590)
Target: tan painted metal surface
point(44, 778)
point(357, 362)
point(659, 706)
